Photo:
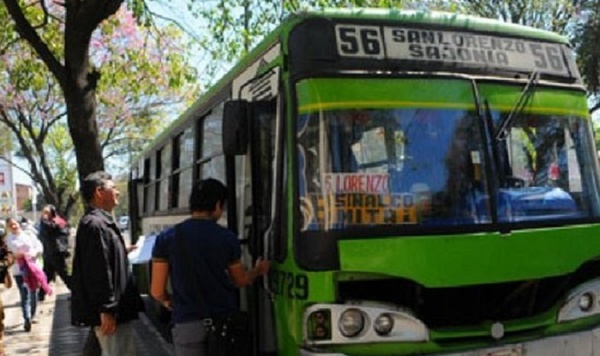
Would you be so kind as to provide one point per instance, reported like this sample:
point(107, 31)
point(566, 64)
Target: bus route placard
point(456, 48)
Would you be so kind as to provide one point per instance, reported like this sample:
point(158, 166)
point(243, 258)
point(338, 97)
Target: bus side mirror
point(235, 127)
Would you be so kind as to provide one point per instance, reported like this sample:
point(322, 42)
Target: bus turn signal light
point(319, 325)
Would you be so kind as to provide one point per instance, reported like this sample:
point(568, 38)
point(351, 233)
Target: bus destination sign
point(456, 48)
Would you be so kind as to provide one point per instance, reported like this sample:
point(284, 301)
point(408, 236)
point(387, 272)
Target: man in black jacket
point(104, 294)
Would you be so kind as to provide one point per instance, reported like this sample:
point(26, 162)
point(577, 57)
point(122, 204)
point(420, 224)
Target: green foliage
point(7, 35)
point(235, 26)
point(123, 207)
point(587, 33)
point(543, 14)
point(140, 12)
point(28, 205)
point(146, 76)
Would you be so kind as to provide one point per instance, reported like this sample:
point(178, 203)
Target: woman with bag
point(6, 260)
point(26, 248)
point(203, 261)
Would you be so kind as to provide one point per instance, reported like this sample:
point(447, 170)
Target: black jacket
point(6, 260)
point(102, 281)
point(54, 237)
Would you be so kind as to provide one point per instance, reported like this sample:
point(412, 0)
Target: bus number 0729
point(294, 286)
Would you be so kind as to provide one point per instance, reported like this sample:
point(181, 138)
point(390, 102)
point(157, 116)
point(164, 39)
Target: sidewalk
point(53, 334)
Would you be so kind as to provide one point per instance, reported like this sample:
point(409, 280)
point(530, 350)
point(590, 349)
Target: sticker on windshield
point(334, 211)
point(374, 183)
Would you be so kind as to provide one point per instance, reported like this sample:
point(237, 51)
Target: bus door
point(255, 176)
point(263, 151)
point(135, 188)
point(258, 179)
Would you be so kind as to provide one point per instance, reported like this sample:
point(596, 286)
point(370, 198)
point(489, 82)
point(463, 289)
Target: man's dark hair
point(206, 194)
point(91, 182)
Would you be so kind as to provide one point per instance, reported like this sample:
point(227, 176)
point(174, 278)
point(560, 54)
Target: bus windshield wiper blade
point(526, 94)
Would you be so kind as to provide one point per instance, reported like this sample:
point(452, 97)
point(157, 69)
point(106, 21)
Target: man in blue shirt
point(217, 268)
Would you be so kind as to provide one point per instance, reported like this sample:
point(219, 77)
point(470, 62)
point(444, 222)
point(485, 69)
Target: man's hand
point(167, 304)
point(108, 323)
point(262, 267)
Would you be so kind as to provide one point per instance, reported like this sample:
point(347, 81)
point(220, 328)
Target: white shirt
point(26, 243)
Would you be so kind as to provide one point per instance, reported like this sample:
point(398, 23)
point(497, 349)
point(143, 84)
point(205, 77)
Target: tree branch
point(14, 164)
point(39, 151)
point(27, 32)
point(9, 44)
point(86, 16)
point(46, 15)
point(594, 107)
point(4, 117)
point(176, 23)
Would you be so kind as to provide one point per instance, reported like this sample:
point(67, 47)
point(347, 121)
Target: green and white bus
point(424, 183)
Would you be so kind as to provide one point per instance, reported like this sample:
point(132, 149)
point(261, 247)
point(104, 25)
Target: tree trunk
point(80, 83)
point(80, 97)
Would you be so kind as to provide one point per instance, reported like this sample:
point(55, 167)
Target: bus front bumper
point(584, 343)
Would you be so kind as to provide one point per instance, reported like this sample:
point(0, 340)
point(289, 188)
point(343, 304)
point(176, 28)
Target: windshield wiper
point(526, 94)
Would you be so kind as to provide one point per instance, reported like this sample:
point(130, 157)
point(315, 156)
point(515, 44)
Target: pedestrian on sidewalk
point(54, 234)
point(104, 294)
point(6, 260)
point(26, 249)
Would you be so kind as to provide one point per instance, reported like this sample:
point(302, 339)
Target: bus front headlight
point(361, 322)
point(352, 322)
point(383, 324)
point(586, 302)
point(582, 302)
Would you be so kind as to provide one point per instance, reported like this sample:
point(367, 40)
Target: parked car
point(123, 222)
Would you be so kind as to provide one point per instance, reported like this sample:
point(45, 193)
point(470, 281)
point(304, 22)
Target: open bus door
point(135, 188)
point(258, 135)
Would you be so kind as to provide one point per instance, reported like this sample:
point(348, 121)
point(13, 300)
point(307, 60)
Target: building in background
point(8, 206)
point(24, 195)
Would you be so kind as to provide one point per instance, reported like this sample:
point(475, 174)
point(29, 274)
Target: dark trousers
point(53, 265)
point(92, 346)
point(1, 327)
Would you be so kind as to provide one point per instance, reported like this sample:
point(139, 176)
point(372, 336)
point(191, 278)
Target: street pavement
point(53, 333)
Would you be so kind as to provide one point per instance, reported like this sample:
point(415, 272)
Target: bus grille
point(468, 305)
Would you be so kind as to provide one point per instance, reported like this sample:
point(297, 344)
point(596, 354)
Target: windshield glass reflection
point(427, 167)
point(405, 166)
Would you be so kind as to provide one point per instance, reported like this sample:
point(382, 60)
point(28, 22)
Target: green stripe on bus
point(336, 93)
point(381, 104)
point(544, 100)
point(346, 93)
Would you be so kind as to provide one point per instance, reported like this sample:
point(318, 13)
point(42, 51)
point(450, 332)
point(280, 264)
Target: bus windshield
point(425, 164)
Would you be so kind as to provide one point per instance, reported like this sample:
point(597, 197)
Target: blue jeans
point(121, 343)
point(28, 299)
point(189, 339)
